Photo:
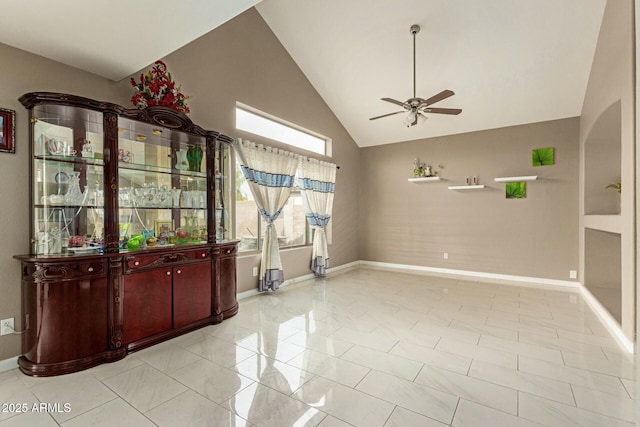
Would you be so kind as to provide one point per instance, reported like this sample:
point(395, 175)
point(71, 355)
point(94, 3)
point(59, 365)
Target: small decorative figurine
point(87, 149)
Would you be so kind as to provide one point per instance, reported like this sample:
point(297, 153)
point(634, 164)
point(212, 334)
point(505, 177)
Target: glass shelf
point(160, 169)
point(79, 160)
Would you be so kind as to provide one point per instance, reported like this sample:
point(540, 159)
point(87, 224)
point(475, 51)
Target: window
point(251, 120)
point(291, 226)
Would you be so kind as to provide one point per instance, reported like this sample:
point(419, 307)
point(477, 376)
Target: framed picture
point(7, 130)
point(163, 227)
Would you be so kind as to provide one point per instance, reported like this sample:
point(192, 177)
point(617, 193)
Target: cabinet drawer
point(140, 262)
point(41, 272)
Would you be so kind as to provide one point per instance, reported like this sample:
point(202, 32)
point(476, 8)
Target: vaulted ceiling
point(508, 62)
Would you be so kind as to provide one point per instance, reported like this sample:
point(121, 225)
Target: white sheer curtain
point(317, 182)
point(270, 173)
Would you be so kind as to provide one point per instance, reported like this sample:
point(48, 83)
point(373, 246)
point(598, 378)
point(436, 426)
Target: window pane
point(268, 128)
point(291, 225)
point(246, 215)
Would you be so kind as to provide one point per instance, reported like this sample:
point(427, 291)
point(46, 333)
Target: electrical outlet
point(446, 255)
point(6, 326)
point(255, 271)
point(573, 274)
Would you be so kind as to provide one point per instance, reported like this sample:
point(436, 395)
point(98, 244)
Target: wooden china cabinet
point(130, 244)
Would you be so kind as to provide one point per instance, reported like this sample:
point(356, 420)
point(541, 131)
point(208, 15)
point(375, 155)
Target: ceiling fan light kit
point(417, 107)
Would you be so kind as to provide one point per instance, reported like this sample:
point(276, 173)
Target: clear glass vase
point(73, 196)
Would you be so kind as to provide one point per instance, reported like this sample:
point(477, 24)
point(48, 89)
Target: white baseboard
point(299, 279)
point(607, 320)
point(8, 364)
point(342, 268)
point(504, 279)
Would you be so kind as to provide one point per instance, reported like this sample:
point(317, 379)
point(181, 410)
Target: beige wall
point(612, 81)
point(407, 223)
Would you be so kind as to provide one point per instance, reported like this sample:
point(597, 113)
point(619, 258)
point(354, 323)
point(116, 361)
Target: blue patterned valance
point(267, 178)
point(313, 185)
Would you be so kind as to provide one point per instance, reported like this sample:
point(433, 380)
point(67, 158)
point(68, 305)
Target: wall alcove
point(603, 163)
point(603, 266)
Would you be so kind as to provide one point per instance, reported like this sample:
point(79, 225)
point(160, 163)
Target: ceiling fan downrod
point(415, 29)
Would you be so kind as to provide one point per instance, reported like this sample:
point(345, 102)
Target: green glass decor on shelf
point(194, 157)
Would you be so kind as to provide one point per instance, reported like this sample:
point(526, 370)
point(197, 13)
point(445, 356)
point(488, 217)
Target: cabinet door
point(162, 186)
point(227, 274)
point(68, 191)
point(147, 304)
point(191, 293)
point(67, 320)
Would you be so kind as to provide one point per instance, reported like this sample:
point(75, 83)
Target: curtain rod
point(265, 149)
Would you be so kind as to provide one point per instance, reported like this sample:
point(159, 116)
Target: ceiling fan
point(416, 107)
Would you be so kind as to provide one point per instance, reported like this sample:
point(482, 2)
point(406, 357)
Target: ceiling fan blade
point(453, 111)
point(439, 97)
point(385, 115)
point(393, 101)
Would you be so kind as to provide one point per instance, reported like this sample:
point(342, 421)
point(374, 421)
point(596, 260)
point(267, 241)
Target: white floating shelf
point(424, 179)
point(466, 187)
point(517, 178)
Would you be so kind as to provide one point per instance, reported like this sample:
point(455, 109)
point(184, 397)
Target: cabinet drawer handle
point(90, 269)
point(204, 255)
point(168, 273)
point(179, 271)
point(136, 263)
point(228, 251)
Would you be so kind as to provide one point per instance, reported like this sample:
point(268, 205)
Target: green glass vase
point(194, 157)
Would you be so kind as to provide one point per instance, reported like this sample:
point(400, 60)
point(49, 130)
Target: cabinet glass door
point(162, 181)
point(68, 202)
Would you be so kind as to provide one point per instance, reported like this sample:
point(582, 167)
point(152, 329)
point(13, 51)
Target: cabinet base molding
point(52, 369)
point(230, 312)
point(167, 335)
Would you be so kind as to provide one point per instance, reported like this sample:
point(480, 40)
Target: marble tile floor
point(364, 347)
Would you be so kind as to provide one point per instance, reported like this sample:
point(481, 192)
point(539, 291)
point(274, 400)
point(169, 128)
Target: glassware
point(74, 196)
point(175, 195)
point(194, 157)
point(182, 163)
